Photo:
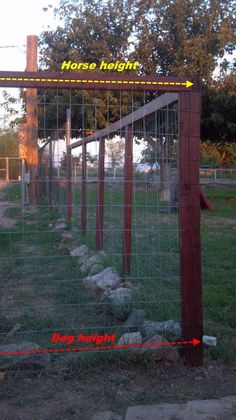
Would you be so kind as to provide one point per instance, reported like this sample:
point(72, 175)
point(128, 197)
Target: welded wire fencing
point(109, 177)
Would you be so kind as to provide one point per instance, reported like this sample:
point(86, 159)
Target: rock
point(106, 415)
point(130, 338)
point(59, 221)
point(160, 352)
point(95, 269)
point(31, 358)
point(60, 225)
point(222, 409)
point(14, 329)
point(81, 251)
point(150, 328)
point(82, 260)
point(172, 355)
point(120, 302)
point(106, 279)
point(94, 259)
point(135, 318)
point(67, 235)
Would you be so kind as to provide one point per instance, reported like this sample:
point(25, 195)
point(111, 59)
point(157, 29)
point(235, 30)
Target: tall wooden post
point(189, 220)
point(84, 189)
point(69, 169)
point(128, 191)
point(100, 197)
point(32, 157)
point(7, 169)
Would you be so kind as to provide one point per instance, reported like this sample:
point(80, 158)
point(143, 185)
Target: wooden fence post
point(69, 169)
point(32, 156)
point(84, 189)
point(189, 220)
point(100, 197)
point(128, 191)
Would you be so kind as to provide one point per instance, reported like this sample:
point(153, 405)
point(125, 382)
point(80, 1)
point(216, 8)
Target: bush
point(218, 154)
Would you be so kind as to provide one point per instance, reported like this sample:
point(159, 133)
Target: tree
point(149, 155)
point(78, 159)
point(89, 31)
point(219, 110)
point(115, 151)
point(183, 37)
point(8, 143)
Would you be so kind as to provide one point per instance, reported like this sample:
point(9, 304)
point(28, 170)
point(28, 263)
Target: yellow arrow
point(187, 84)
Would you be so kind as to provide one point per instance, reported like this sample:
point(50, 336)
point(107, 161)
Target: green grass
point(34, 255)
point(219, 270)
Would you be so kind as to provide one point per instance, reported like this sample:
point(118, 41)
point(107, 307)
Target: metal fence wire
point(108, 178)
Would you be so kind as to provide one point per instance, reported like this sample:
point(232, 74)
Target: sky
point(19, 18)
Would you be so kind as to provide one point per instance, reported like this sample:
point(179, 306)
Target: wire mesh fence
point(121, 164)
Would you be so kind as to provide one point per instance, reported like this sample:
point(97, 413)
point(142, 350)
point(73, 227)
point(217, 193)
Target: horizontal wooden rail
point(91, 80)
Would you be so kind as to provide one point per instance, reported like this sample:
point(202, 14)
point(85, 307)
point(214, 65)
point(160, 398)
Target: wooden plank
point(128, 192)
point(69, 166)
point(84, 190)
point(32, 156)
point(91, 80)
point(100, 197)
point(158, 103)
point(189, 221)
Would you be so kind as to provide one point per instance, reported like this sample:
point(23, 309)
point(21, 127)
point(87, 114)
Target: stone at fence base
point(67, 235)
point(160, 352)
point(106, 415)
point(37, 360)
point(130, 338)
point(94, 259)
point(82, 260)
point(95, 269)
point(59, 226)
point(135, 318)
point(81, 251)
point(221, 409)
point(106, 279)
point(150, 328)
point(119, 302)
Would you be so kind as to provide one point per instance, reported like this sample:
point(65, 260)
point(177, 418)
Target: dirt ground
point(60, 393)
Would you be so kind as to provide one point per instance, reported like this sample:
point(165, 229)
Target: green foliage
point(149, 154)
point(218, 154)
point(182, 37)
point(89, 32)
point(78, 159)
point(8, 143)
point(219, 110)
